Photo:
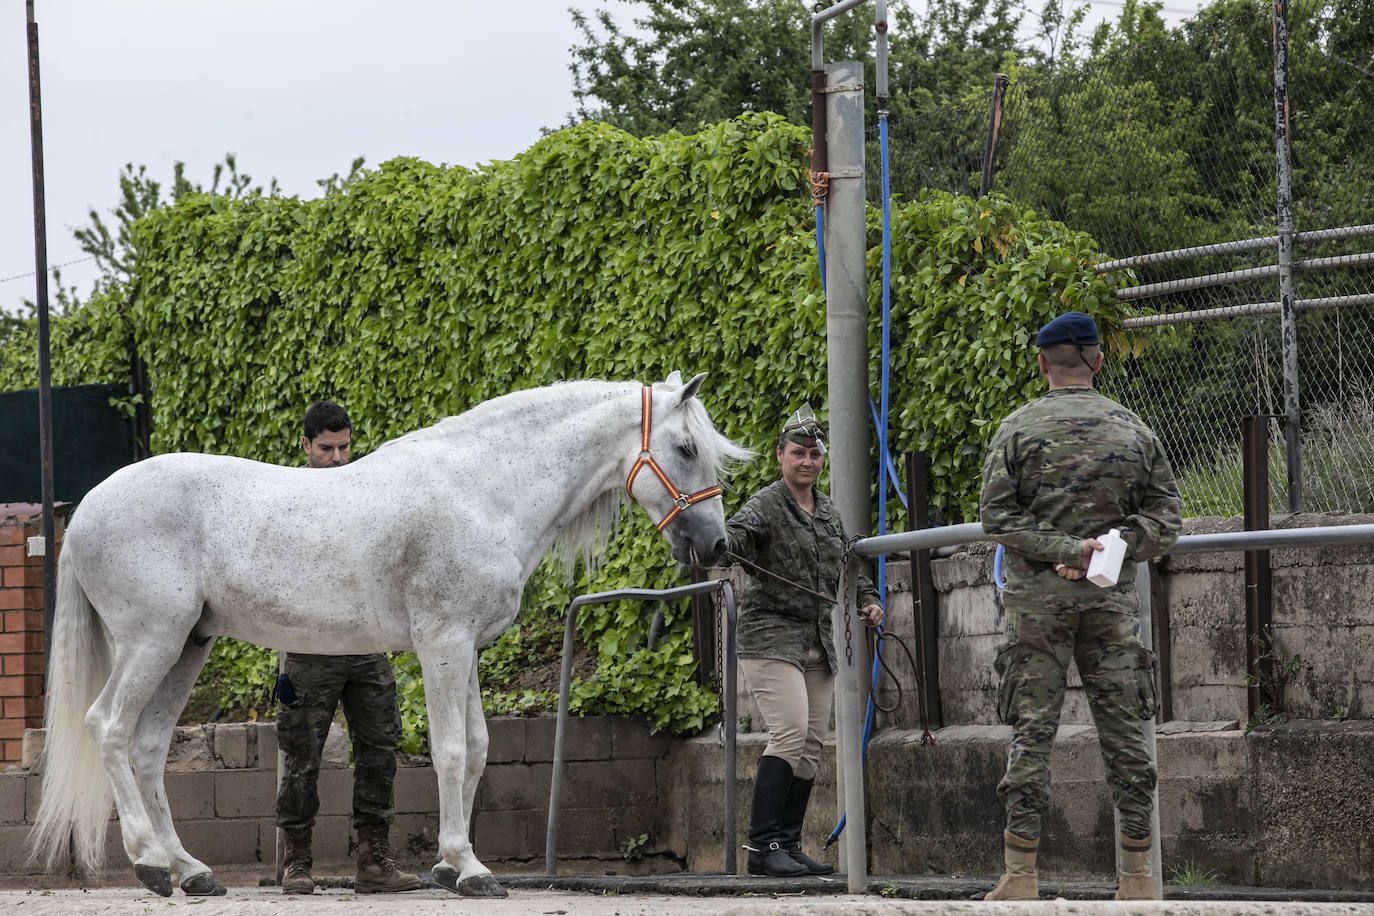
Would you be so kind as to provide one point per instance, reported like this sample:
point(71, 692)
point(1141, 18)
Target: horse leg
point(478, 741)
point(151, 740)
point(449, 678)
point(113, 720)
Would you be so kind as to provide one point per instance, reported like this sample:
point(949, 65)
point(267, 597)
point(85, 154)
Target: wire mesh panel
point(1170, 144)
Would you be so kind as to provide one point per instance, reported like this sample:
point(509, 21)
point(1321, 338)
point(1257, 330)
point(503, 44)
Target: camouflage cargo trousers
point(318, 684)
point(1118, 678)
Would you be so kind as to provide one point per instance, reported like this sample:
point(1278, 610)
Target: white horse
point(425, 544)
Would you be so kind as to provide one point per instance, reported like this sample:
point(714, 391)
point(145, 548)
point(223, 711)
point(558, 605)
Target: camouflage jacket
point(1068, 466)
point(776, 620)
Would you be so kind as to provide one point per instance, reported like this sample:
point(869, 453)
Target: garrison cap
point(803, 429)
point(1070, 327)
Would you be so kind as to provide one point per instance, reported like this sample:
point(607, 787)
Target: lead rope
point(848, 640)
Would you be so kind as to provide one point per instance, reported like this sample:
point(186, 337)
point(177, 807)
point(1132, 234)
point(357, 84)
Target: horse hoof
point(481, 886)
point(446, 878)
point(476, 886)
point(157, 880)
point(204, 884)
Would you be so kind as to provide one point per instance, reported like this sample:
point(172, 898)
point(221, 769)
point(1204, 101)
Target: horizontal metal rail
point(1205, 251)
point(730, 721)
point(1271, 538)
point(1253, 308)
point(1165, 287)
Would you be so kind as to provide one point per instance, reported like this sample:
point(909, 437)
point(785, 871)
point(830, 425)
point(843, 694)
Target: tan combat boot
point(296, 878)
point(377, 874)
point(1134, 878)
point(1019, 880)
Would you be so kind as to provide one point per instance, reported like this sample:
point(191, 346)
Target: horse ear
point(689, 390)
point(674, 379)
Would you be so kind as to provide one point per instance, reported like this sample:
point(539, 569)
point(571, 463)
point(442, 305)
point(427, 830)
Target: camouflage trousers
point(1118, 678)
point(366, 687)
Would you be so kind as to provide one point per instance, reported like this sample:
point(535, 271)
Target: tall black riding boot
point(793, 813)
point(772, 781)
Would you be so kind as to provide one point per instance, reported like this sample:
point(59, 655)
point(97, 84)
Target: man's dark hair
point(325, 415)
point(1073, 358)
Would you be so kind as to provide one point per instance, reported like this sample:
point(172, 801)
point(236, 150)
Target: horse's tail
point(76, 790)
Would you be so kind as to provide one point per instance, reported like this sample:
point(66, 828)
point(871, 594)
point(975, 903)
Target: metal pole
point(731, 722)
point(40, 254)
point(999, 93)
point(923, 591)
point(1142, 589)
point(847, 335)
point(1291, 405)
point(1259, 585)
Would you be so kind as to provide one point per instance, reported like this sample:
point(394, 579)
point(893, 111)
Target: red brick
point(24, 685)
point(20, 643)
point(16, 599)
point(21, 621)
point(13, 555)
point(29, 707)
point(29, 663)
point(22, 577)
point(11, 535)
point(12, 729)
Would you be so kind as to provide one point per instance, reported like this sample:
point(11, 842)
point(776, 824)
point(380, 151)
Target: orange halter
point(646, 459)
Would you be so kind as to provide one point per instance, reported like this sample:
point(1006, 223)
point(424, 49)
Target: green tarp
point(91, 440)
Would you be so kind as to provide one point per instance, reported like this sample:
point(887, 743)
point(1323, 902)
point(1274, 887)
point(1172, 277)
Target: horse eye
point(688, 450)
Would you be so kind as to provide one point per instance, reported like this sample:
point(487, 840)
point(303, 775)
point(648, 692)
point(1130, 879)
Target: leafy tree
point(693, 62)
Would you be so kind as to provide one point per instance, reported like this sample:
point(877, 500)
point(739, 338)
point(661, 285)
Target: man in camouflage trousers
point(309, 691)
point(1059, 471)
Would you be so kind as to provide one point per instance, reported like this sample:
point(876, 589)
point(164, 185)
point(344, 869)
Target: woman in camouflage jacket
point(786, 652)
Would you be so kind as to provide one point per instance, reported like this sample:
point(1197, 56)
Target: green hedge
point(417, 291)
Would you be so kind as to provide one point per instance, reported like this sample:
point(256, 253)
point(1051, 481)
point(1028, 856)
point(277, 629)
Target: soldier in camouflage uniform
point(1060, 470)
point(784, 639)
point(309, 691)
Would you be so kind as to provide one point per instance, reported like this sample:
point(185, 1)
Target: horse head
point(675, 476)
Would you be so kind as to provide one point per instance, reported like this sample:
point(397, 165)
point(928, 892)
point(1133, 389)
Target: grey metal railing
point(729, 722)
point(950, 535)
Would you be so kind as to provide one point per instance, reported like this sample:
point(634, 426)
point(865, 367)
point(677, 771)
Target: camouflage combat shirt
point(1068, 466)
point(778, 621)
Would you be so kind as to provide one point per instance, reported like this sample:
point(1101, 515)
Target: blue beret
point(1070, 327)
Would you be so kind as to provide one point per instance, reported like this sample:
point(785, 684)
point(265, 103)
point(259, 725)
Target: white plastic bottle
point(1105, 565)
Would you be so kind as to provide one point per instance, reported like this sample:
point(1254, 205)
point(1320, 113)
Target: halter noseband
point(646, 459)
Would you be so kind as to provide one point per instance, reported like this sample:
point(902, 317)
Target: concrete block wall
point(221, 786)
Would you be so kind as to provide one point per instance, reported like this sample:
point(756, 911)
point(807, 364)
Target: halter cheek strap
point(646, 459)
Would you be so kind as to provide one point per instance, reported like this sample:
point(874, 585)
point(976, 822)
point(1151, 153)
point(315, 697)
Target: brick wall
point(21, 630)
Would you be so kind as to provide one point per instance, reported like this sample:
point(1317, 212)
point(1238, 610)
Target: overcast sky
point(295, 88)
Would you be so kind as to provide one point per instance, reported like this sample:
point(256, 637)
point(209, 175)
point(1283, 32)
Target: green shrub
point(415, 291)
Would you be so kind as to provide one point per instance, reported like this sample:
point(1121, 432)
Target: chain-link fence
point(1171, 145)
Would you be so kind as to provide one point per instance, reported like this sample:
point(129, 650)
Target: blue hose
point(887, 467)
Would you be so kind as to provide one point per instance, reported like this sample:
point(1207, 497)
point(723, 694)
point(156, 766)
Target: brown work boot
point(1134, 879)
point(296, 878)
point(377, 874)
point(1019, 880)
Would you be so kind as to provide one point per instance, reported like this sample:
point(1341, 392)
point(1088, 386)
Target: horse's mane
point(586, 536)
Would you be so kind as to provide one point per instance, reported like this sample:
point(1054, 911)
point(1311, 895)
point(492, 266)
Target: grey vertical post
point(40, 256)
point(1287, 308)
point(846, 285)
point(1142, 590)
